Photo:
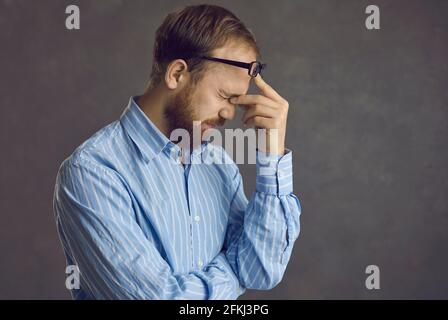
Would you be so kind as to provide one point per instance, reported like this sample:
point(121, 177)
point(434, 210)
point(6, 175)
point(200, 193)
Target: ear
point(176, 73)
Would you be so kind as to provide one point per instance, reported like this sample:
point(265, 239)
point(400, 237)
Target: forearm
point(260, 249)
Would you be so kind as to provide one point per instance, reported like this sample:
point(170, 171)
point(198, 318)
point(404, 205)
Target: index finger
point(267, 89)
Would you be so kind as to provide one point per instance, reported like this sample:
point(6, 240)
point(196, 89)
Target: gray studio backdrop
point(368, 127)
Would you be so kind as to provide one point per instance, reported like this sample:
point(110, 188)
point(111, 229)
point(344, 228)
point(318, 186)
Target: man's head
point(198, 89)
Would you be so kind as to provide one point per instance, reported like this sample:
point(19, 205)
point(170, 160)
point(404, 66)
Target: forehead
point(231, 80)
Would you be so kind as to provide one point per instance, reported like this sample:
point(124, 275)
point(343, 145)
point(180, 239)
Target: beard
point(180, 114)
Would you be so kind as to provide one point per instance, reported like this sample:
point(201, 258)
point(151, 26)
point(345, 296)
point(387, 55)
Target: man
point(138, 224)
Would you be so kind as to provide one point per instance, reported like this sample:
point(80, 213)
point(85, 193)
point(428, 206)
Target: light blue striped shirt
point(140, 225)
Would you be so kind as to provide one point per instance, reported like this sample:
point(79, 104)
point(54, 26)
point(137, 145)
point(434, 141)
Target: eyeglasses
point(254, 68)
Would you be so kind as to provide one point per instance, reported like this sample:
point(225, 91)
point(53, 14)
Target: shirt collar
point(147, 137)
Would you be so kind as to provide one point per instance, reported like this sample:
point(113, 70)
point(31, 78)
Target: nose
point(228, 112)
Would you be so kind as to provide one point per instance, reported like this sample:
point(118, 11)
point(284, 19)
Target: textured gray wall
point(368, 126)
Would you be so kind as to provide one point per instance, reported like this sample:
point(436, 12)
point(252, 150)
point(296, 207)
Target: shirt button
point(197, 218)
point(200, 263)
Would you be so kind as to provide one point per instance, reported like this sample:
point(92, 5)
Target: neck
point(153, 103)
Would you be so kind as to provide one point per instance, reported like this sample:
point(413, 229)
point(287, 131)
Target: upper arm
point(95, 215)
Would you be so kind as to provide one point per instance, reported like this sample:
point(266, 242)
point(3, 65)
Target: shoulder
point(96, 154)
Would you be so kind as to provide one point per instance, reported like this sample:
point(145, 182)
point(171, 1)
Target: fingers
point(267, 89)
point(266, 110)
point(268, 92)
point(261, 122)
point(252, 99)
point(258, 110)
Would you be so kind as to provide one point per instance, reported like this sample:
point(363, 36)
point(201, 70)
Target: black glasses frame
point(253, 68)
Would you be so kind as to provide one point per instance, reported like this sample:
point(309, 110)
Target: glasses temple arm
point(231, 62)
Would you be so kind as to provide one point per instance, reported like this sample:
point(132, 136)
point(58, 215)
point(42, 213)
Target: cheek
point(208, 106)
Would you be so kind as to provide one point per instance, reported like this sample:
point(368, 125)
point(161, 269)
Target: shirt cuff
point(274, 173)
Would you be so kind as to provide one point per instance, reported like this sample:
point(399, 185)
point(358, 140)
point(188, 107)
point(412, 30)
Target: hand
point(267, 110)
